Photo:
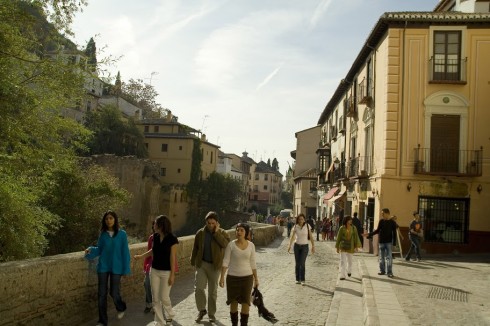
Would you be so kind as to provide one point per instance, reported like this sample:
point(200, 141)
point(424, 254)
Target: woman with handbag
point(301, 235)
point(347, 243)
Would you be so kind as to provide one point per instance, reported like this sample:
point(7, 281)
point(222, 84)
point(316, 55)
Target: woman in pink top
point(239, 261)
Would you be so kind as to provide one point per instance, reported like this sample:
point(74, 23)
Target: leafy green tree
point(112, 134)
point(79, 195)
point(144, 96)
point(91, 53)
point(275, 164)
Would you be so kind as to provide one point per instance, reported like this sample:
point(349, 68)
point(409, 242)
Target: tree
point(41, 184)
point(275, 164)
point(91, 53)
point(113, 134)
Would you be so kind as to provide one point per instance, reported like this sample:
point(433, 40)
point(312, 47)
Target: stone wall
point(62, 289)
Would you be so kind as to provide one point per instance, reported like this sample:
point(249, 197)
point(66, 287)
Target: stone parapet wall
point(62, 289)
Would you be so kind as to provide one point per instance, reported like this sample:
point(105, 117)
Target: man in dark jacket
point(207, 256)
point(360, 230)
point(387, 235)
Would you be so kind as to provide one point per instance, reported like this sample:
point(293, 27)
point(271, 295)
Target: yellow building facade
point(407, 128)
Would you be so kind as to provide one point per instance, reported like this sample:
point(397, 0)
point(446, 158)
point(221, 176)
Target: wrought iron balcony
point(443, 161)
point(366, 91)
point(447, 70)
point(339, 173)
point(360, 167)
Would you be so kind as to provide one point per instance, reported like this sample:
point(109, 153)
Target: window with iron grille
point(445, 220)
point(447, 56)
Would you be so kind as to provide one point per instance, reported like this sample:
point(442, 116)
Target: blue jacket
point(113, 252)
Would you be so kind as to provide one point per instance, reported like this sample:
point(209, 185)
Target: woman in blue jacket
point(113, 252)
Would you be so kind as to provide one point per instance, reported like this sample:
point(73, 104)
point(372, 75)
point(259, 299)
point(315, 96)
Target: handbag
point(345, 244)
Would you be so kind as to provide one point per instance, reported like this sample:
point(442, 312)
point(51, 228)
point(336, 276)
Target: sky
point(248, 73)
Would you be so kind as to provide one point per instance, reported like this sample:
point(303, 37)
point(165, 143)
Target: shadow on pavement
point(350, 291)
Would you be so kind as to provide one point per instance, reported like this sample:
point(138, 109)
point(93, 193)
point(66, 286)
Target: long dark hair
point(297, 218)
point(163, 223)
point(116, 226)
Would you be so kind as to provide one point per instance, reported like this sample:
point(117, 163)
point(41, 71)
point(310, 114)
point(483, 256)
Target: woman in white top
point(301, 235)
point(239, 260)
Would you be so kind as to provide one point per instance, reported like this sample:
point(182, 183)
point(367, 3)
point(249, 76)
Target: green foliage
point(91, 53)
point(112, 134)
point(194, 184)
point(42, 192)
point(80, 196)
point(142, 95)
point(287, 199)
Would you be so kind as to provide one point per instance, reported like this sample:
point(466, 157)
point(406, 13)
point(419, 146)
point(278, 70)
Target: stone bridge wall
point(62, 289)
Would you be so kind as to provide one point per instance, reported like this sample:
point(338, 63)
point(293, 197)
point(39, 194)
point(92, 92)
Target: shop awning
point(332, 200)
point(329, 194)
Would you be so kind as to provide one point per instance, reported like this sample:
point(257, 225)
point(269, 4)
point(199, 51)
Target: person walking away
point(239, 261)
point(386, 235)
point(325, 229)
point(207, 257)
point(146, 270)
point(311, 223)
point(290, 225)
point(163, 266)
point(415, 234)
point(114, 261)
point(300, 235)
point(360, 230)
point(347, 243)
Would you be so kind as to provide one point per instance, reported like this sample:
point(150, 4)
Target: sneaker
point(120, 314)
point(418, 259)
point(390, 275)
point(298, 282)
point(201, 314)
point(349, 274)
point(212, 319)
point(303, 283)
point(147, 310)
point(381, 273)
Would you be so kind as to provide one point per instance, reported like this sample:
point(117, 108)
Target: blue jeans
point(385, 256)
point(147, 290)
point(300, 254)
point(415, 240)
point(115, 294)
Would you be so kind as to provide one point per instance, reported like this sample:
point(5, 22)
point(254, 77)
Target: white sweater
point(239, 262)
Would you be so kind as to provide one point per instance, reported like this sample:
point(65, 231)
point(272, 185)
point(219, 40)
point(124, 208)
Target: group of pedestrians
point(219, 261)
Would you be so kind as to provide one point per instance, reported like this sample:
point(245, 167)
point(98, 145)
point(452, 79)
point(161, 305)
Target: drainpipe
point(402, 99)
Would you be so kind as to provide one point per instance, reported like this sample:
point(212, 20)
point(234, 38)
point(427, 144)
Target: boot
point(243, 319)
point(234, 318)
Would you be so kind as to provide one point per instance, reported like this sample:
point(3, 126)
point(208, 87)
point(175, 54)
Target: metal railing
point(366, 90)
point(442, 70)
point(443, 161)
point(360, 167)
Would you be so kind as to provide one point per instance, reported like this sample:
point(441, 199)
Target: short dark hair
point(386, 210)
point(245, 226)
point(212, 215)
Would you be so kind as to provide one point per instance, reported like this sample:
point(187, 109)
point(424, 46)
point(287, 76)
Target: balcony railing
point(365, 91)
point(448, 161)
point(360, 167)
point(447, 70)
point(339, 173)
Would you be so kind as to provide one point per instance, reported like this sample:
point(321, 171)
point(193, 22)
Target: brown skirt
point(239, 289)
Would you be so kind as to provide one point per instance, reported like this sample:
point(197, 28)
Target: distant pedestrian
point(207, 257)
point(146, 270)
point(239, 261)
point(163, 267)
point(415, 234)
point(114, 261)
point(347, 243)
point(358, 224)
point(387, 233)
point(301, 235)
point(290, 225)
point(311, 223)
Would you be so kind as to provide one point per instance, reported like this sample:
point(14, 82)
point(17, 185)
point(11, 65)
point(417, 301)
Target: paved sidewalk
point(439, 290)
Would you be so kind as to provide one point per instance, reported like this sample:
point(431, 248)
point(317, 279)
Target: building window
point(266, 177)
point(256, 188)
point(445, 220)
point(147, 128)
point(178, 170)
point(164, 147)
point(265, 187)
point(447, 64)
point(256, 176)
point(180, 147)
point(156, 128)
point(163, 172)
